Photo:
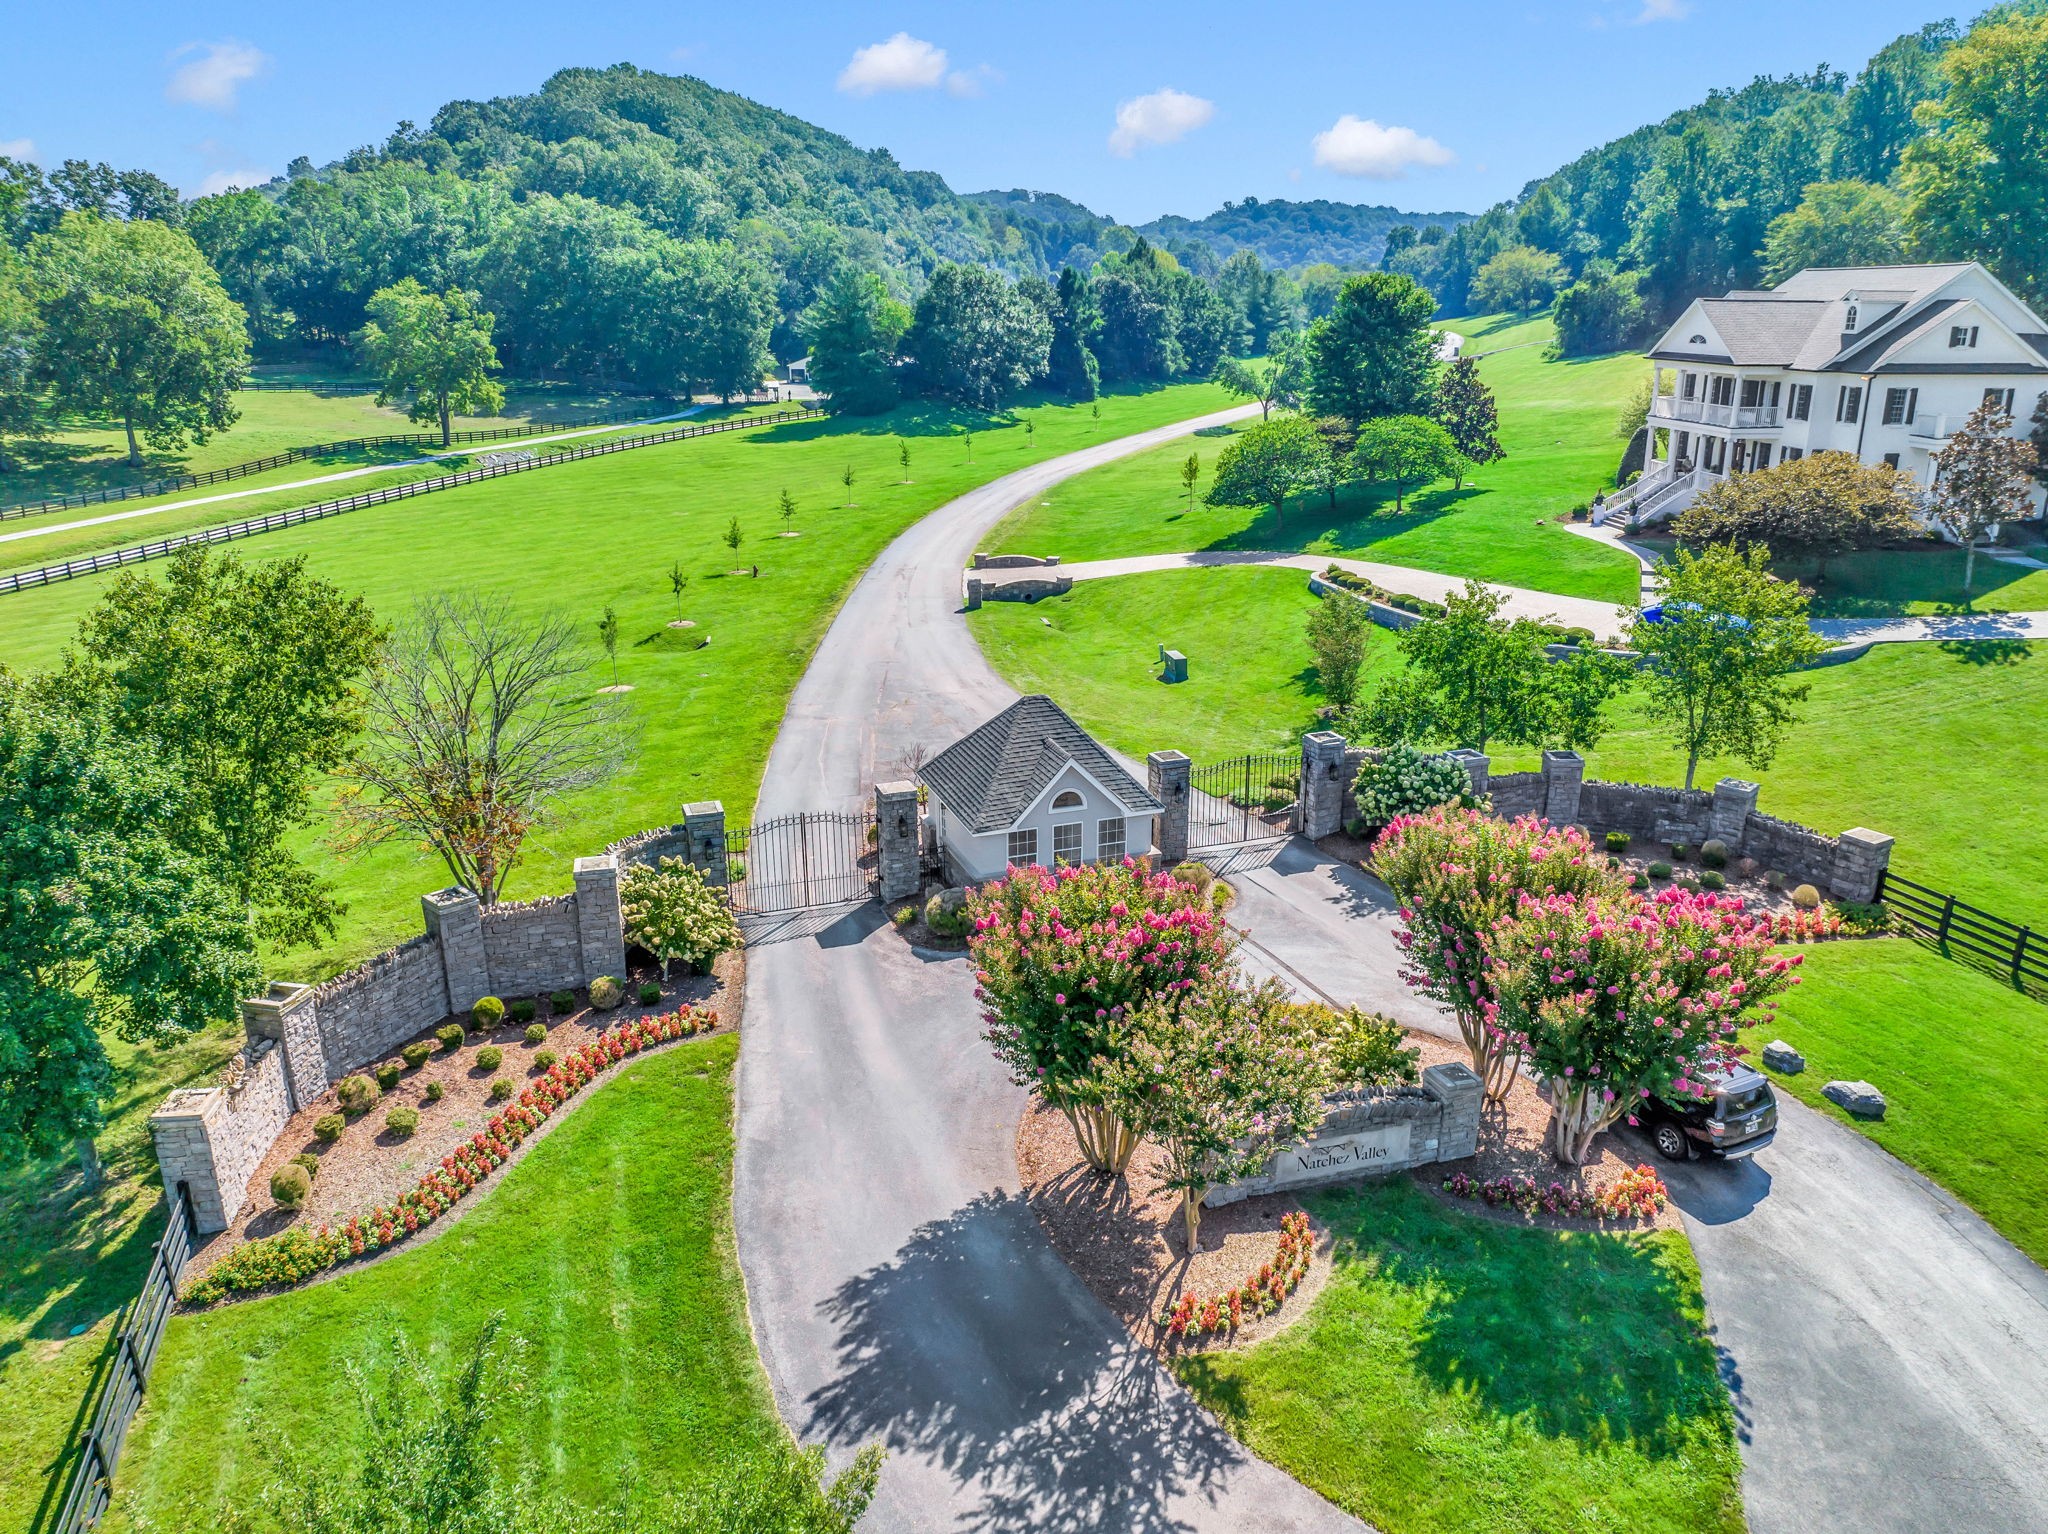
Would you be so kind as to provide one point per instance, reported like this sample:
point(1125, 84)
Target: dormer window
point(1962, 335)
point(1849, 319)
point(1068, 800)
point(1695, 340)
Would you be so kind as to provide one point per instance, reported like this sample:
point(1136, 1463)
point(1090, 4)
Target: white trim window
point(1999, 400)
point(1109, 841)
point(1023, 847)
point(1800, 407)
point(1962, 335)
point(1848, 403)
point(1066, 842)
point(1900, 405)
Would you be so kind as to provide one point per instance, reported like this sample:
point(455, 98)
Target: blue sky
point(1134, 109)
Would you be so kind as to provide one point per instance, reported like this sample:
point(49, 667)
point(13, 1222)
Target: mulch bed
point(369, 1166)
point(1124, 1239)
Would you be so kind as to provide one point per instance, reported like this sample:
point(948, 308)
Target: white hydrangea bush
point(1406, 782)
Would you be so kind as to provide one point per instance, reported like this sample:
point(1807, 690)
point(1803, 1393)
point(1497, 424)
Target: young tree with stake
point(678, 579)
point(608, 636)
point(734, 537)
point(902, 460)
point(846, 479)
point(1191, 476)
point(1983, 478)
point(786, 506)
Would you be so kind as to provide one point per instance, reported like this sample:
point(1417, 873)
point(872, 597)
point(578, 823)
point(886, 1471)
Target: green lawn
point(1251, 679)
point(1468, 1377)
point(1923, 582)
point(89, 454)
point(610, 1251)
point(1956, 1053)
point(1557, 423)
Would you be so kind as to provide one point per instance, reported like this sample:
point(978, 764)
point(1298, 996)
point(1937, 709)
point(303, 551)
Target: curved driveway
point(1887, 1352)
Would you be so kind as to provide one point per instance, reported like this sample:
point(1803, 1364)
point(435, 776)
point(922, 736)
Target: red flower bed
point(1636, 1194)
point(1261, 1294)
point(297, 1254)
point(1806, 926)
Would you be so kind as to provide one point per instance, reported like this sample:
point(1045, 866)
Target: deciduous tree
point(1983, 478)
point(1521, 278)
point(1818, 506)
point(1070, 364)
point(137, 326)
point(1721, 655)
point(1602, 312)
point(20, 333)
point(1279, 380)
point(1837, 223)
point(1405, 451)
point(975, 339)
point(480, 724)
point(1375, 355)
point(1339, 628)
point(1267, 463)
point(432, 352)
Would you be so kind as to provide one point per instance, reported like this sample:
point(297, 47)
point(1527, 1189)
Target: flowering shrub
point(673, 913)
point(1060, 960)
point(1406, 782)
point(1259, 1295)
point(1636, 1194)
point(1613, 999)
point(1806, 926)
point(1458, 873)
point(297, 1254)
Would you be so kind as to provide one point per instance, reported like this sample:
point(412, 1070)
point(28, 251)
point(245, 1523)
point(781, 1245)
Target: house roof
point(992, 775)
point(1763, 331)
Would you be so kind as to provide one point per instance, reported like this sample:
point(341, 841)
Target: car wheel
point(1671, 1142)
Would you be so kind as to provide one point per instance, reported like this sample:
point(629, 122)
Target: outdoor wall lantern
point(1180, 790)
point(1333, 772)
point(902, 824)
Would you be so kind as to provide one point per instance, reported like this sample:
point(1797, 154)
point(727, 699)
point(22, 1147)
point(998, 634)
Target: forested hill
point(1293, 234)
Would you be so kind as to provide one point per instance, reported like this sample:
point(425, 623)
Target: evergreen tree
point(1465, 408)
point(853, 331)
point(1375, 355)
point(1071, 368)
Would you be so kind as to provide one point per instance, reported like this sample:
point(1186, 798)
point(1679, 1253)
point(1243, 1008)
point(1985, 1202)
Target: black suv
point(1740, 1119)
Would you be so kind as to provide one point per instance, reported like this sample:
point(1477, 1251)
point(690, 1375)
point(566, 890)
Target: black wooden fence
point(93, 1457)
point(46, 575)
point(422, 439)
point(1966, 931)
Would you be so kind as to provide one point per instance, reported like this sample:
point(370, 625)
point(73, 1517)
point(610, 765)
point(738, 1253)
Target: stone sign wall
point(1370, 1134)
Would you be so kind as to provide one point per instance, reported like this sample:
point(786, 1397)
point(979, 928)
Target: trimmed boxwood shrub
point(388, 1074)
point(1660, 870)
point(451, 1036)
point(1639, 882)
point(309, 1161)
point(490, 1057)
point(1617, 841)
point(328, 1127)
point(501, 1089)
point(415, 1055)
point(650, 992)
point(289, 1185)
point(606, 993)
point(561, 1003)
point(543, 1060)
point(521, 1011)
point(357, 1094)
point(1680, 852)
point(1713, 854)
point(1806, 897)
point(402, 1121)
point(488, 1013)
point(947, 917)
point(536, 1033)
point(435, 1091)
point(1710, 880)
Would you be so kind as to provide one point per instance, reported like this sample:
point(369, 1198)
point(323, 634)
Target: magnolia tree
point(1061, 961)
point(1222, 1075)
point(1459, 873)
point(1613, 998)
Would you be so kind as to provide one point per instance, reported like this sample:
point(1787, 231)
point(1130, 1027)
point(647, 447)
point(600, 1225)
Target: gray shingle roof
point(992, 775)
point(1763, 331)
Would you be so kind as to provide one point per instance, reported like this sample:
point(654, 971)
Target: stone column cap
point(896, 787)
point(1467, 754)
point(1737, 785)
point(1562, 758)
point(1863, 836)
point(596, 863)
point(701, 807)
point(1167, 758)
point(1323, 744)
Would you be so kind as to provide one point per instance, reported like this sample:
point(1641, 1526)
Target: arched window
point(1067, 801)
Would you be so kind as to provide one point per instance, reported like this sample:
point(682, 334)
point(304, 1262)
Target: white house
point(1881, 361)
point(1032, 786)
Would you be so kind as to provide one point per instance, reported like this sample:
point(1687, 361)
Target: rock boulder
point(1857, 1097)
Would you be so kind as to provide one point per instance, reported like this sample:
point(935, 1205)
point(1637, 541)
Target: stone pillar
point(1166, 775)
point(456, 918)
point(1478, 766)
point(1454, 1084)
point(898, 837)
point(1861, 857)
point(973, 595)
point(1734, 800)
point(704, 836)
point(1322, 784)
point(286, 1013)
point(184, 1151)
point(1563, 773)
point(600, 928)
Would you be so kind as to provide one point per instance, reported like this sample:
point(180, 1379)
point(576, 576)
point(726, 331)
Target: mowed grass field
point(81, 453)
point(1461, 1376)
point(1956, 1052)
point(1252, 684)
point(1557, 424)
point(576, 538)
point(610, 1251)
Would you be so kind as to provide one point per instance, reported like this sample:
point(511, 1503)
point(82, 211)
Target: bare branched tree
point(479, 723)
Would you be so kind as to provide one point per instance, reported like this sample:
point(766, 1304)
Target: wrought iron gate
point(1247, 799)
point(801, 860)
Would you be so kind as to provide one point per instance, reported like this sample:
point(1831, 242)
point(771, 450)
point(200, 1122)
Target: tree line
point(1936, 150)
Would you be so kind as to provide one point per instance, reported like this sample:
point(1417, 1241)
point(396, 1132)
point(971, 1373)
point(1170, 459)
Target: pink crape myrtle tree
point(1458, 873)
point(1613, 998)
point(1061, 961)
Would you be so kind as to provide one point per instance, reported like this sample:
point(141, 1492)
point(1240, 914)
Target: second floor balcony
point(1669, 407)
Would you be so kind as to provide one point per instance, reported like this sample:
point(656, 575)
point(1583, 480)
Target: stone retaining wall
point(1370, 1134)
point(1013, 561)
point(210, 1140)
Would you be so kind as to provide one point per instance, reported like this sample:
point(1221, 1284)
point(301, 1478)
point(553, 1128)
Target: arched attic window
point(1067, 801)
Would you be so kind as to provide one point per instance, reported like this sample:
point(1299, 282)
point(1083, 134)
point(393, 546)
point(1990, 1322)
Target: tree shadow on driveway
point(973, 1347)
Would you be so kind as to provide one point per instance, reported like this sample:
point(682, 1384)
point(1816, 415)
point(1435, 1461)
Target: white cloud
point(218, 181)
point(213, 78)
point(18, 148)
point(1160, 118)
point(1358, 146)
point(968, 83)
point(903, 63)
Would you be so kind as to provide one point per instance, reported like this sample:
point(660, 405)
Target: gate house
point(1032, 786)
